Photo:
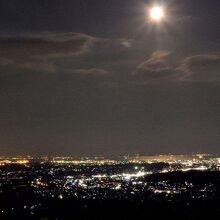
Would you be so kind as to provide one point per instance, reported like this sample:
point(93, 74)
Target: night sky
point(92, 77)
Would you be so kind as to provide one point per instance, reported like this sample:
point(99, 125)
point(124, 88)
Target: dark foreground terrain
point(32, 194)
point(114, 209)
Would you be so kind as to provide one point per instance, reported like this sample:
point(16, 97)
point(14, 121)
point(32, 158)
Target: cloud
point(110, 60)
point(40, 51)
point(159, 56)
point(63, 52)
point(157, 67)
point(156, 63)
point(201, 67)
point(44, 45)
point(197, 68)
point(126, 43)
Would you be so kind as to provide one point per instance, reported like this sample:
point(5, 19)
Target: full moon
point(156, 13)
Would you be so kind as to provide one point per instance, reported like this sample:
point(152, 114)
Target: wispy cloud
point(201, 67)
point(38, 51)
point(157, 68)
